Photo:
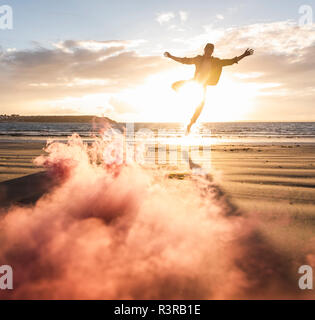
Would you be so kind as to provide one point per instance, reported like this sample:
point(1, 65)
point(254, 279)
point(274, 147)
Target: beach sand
point(272, 184)
point(16, 159)
point(253, 176)
point(276, 182)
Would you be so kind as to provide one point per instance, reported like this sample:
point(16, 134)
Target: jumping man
point(208, 72)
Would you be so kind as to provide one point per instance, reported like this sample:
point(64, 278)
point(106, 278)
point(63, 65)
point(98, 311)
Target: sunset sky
point(106, 58)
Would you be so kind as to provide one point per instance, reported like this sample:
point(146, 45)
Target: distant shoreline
point(97, 119)
point(75, 119)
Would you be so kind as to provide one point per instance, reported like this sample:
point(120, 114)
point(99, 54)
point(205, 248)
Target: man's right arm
point(228, 62)
point(178, 59)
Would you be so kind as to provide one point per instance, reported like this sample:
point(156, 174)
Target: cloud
point(183, 15)
point(284, 54)
point(176, 28)
point(70, 45)
point(165, 17)
point(219, 17)
point(121, 106)
point(282, 37)
point(71, 69)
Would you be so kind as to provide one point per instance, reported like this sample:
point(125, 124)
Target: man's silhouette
point(208, 72)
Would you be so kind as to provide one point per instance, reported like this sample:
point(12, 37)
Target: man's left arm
point(228, 62)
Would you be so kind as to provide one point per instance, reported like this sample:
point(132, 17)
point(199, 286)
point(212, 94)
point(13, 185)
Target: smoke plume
point(116, 230)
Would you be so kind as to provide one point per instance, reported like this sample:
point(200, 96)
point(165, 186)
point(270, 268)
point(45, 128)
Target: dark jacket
point(208, 69)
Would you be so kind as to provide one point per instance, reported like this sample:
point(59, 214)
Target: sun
point(190, 95)
point(230, 100)
point(155, 101)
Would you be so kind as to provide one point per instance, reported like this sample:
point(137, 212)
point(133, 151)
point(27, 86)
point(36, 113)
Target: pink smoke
point(109, 231)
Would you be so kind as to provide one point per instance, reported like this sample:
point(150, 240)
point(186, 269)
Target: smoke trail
point(118, 231)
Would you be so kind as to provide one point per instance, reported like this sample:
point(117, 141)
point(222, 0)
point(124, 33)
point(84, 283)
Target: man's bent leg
point(176, 85)
point(196, 115)
point(197, 112)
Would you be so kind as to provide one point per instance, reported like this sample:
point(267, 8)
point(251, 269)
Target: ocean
point(219, 132)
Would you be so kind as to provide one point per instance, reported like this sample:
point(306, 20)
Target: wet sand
point(16, 159)
point(272, 175)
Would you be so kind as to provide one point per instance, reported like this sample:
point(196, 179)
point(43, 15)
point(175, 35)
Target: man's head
point(209, 49)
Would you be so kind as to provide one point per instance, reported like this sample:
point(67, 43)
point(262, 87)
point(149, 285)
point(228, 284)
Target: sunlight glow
point(229, 101)
point(190, 96)
point(155, 101)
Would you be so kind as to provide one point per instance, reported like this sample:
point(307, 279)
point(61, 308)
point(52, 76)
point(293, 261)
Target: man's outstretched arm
point(177, 59)
point(228, 62)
